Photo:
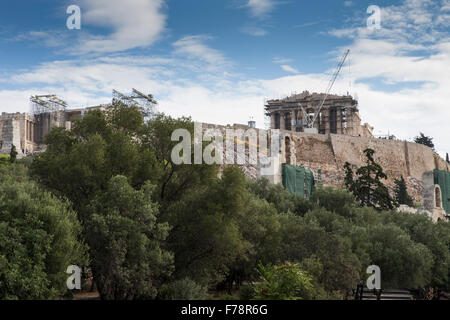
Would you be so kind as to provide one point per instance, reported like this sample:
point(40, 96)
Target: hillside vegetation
point(106, 196)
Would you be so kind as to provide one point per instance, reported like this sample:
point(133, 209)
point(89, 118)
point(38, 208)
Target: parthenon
point(339, 114)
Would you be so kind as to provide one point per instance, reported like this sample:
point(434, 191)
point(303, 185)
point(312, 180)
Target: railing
point(362, 293)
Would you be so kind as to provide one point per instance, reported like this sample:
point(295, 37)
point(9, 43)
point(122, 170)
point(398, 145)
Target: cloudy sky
point(217, 60)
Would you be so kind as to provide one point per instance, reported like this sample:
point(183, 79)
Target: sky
point(219, 60)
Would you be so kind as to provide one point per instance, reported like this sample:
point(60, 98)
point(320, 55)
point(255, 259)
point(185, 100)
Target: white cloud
point(254, 31)
point(260, 8)
point(124, 25)
point(48, 38)
point(135, 23)
point(194, 47)
point(414, 21)
point(281, 60)
point(308, 24)
point(445, 5)
point(288, 68)
point(348, 3)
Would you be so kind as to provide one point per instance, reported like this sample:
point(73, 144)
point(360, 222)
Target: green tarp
point(442, 178)
point(298, 180)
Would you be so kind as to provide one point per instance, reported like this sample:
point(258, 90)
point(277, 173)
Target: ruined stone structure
point(327, 154)
point(339, 115)
point(27, 131)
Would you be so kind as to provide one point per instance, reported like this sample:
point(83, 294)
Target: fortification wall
point(329, 153)
point(398, 158)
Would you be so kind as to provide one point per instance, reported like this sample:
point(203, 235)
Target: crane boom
point(330, 86)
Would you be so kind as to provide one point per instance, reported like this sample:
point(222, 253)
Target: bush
point(4, 159)
point(246, 292)
point(283, 282)
point(184, 289)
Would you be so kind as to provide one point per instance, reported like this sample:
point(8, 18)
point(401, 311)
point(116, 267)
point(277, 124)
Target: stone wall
point(10, 134)
point(27, 131)
point(398, 158)
point(329, 153)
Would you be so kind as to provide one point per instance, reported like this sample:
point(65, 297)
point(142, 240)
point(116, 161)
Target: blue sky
point(217, 60)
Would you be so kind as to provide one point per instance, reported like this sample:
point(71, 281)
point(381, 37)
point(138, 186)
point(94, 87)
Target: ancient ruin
point(337, 115)
point(27, 131)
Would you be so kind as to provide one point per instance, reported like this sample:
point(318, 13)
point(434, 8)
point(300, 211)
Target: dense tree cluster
point(159, 230)
point(40, 236)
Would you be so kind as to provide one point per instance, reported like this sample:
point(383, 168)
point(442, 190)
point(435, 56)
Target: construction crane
point(310, 121)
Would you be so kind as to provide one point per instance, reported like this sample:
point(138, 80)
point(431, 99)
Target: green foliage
point(401, 193)
point(169, 231)
point(4, 159)
point(246, 292)
point(206, 238)
point(315, 268)
point(425, 140)
point(367, 187)
point(435, 236)
point(125, 241)
point(39, 239)
point(335, 200)
point(184, 289)
point(280, 198)
point(79, 163)
point(228, 297)
point(282, 282)
point(404, 264)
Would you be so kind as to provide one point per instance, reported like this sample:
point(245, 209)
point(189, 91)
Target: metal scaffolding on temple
point(145, 102)
point(47, 103)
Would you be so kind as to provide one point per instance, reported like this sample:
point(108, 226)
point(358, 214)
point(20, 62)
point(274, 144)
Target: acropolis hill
point(340, 138)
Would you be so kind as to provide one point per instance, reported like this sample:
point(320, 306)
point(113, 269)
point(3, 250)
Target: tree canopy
point(39, 239)
point(368, 187)
point(425, 140)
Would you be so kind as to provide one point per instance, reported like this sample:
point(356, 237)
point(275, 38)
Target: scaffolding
point(47, 104)
point(145, 102)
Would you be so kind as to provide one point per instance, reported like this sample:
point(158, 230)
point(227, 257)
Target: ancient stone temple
point(27, 131)
point(339, 114)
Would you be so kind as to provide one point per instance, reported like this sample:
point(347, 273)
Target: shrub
point(246, 292)
point(184, 289)
point(4, 159)
point(283, 282)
